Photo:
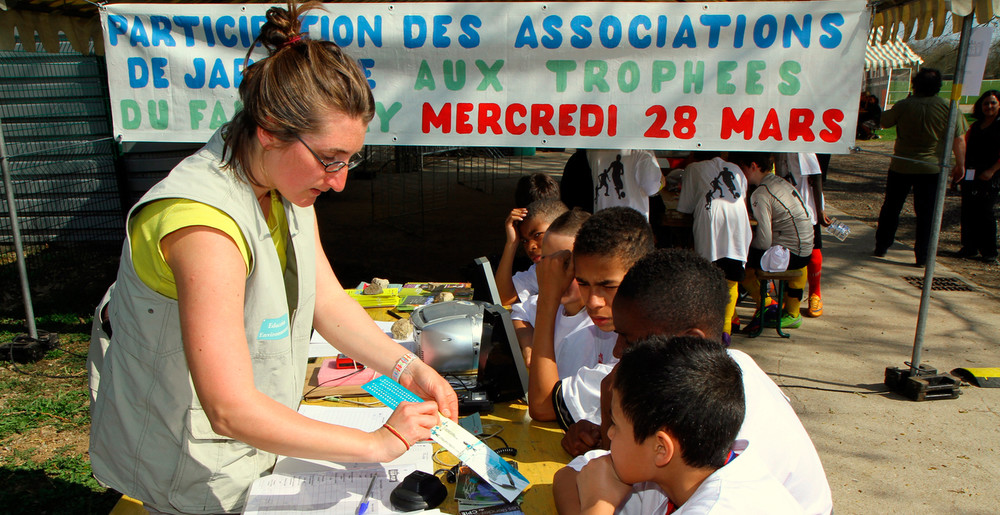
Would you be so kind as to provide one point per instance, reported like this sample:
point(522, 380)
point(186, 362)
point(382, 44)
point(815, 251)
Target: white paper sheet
point(320, 348)
point(333, 492)
point(365, 419)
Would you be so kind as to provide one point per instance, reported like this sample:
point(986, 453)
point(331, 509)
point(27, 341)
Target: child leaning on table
point(606, 246)
point(524, 226)
point(674, 292)
point(677, 405)
point(571, 317)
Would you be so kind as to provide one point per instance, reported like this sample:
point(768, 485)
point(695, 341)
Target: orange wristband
point(393, 431)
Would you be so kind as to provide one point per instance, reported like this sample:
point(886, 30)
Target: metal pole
point(932, 244)
point(22, 270)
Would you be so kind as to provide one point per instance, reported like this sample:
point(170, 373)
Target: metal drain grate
point(940, 283)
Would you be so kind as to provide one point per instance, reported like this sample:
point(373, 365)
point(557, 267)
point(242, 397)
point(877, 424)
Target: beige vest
point(150, 438)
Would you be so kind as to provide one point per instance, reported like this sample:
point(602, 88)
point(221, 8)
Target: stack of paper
point(300, 486)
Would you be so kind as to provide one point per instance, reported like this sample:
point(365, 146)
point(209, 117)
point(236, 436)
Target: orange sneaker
point(815, 306)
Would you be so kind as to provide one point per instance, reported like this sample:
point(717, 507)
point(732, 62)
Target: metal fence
point(407, 182)
point(60, 158)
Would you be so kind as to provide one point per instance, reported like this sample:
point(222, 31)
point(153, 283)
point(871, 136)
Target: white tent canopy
point(893, 53)
point(912, 19)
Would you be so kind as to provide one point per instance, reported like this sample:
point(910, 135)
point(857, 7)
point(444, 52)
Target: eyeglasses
point(334, 166)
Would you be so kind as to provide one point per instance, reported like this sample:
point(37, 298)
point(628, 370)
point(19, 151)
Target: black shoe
point(966, 253)
point(880, 252)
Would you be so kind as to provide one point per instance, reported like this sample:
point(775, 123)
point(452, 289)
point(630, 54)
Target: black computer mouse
point(418, 491)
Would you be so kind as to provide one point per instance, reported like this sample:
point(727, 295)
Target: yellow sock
point(752, 285)
point(792, 304)
point(734, 295)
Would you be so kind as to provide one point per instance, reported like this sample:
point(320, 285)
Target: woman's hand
point(413, 421)
point(986, 174)
point(424, 381)
point(516, 216)
point(957, 174)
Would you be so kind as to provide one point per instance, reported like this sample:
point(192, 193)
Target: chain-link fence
point(60, 158)
point(410, 181)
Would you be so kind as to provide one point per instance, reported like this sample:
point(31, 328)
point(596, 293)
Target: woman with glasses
point(222, 279)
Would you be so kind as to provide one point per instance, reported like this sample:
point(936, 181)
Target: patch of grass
point(73, 469)
point(14, 384)
point(887, 134)
point(64, 409)
point(55, 323)
point(31, 407)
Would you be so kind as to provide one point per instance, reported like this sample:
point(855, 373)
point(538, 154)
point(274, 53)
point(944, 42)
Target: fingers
point(447, 400)
point(516, 215)
point(429, 384)
point(558, 264)
point(554, 273)
point(599, 483)
point(569, 445)
point(581, 437)
point(414, 420)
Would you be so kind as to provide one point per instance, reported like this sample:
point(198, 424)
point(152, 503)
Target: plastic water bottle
point(838, 229)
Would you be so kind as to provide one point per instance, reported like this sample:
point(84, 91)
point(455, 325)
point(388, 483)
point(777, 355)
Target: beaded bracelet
point(401, 365)
point(393, 431)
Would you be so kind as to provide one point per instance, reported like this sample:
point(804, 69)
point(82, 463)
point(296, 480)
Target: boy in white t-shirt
point(714, 192)
point(677, 406)
point(524, 226)
point(606, 246)
point(804, 172)
point(624, 177)
point(676, 292)
point(570, 356)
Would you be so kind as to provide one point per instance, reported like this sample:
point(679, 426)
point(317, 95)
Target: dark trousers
point(979, 224)
point(897, 188)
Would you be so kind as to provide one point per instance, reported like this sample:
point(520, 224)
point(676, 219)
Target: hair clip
point(292, 40)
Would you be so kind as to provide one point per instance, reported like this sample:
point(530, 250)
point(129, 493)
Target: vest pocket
point(214, 472)
point(149, 327)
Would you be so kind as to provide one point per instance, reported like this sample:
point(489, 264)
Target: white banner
point(777, 76)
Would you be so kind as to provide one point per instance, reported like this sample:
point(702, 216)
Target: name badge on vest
point(274, 328)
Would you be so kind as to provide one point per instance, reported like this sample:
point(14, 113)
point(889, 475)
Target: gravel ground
point(855, 184)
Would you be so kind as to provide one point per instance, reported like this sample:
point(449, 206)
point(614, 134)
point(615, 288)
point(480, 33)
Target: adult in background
point(222, 279)
point(624, 177)
point(869, 115)
point(981, 183)
point(921, 122)
point(576, 187)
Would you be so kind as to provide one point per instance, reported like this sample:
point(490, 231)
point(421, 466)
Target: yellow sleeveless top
point(158, 219)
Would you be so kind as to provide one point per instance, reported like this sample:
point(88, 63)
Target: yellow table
point(539, 450)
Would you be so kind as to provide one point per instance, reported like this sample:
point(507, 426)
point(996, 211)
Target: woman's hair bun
point(283, 25)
